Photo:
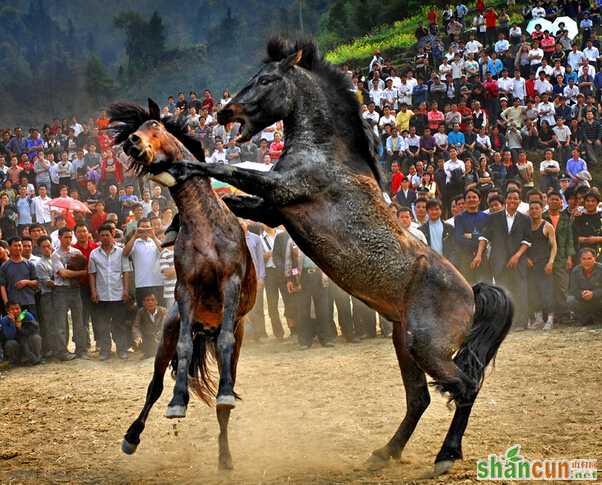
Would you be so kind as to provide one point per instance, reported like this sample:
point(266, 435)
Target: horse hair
point(344, 103)
point(127, 117)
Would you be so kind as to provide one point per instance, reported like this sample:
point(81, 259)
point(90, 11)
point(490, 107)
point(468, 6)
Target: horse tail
point(201, 379)
point(491, 323)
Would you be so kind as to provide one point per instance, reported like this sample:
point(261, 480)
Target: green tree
point(98, 83)
point(155, 37)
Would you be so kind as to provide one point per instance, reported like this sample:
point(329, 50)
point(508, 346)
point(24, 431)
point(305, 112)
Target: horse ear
point(292, 60)
point(153, 110)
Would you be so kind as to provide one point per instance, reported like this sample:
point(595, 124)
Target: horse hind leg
point(226, 345)
point(417, 401)
point(179, 402)
point(223, 412)
point(229, 342)
point(165, 352)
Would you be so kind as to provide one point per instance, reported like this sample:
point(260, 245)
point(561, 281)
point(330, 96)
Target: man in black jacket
point(406, 197)
point(508, 232)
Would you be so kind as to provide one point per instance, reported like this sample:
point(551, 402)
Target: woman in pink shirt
point(435, 117)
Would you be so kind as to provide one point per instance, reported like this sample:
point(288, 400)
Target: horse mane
point(344, 103)
point(125, 118)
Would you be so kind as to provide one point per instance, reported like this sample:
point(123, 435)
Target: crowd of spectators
point(487, 143)
point(489, 136)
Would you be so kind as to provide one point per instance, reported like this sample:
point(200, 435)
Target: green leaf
point(512, 452)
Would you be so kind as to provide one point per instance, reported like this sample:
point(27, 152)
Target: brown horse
point(325, 189)
point(216, 277)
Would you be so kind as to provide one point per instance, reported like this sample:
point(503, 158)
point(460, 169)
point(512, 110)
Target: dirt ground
point(306, 416)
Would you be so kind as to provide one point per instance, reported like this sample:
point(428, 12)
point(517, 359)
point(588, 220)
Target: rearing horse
point(216, 279)
point(325, 189)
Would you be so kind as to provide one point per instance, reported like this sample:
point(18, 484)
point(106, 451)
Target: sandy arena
point(306, 416)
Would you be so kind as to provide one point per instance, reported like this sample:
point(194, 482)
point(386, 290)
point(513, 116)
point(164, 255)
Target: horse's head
point(152, 145)
point(270, 94)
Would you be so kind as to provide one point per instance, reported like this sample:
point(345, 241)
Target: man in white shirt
point(591, 52)
point(571, 91)
point(546, 110)
point(505, 84)
point(371, 115)
point(545, 68)
point(535, 54)
point(144, 249)
point(502, 45)
point(404, 216)
point(542, 85)
point(40, 207)
point(452, 164)
point(575, 58)
point(519, 89)
point(586, 66)
point(387, 118)
point(66, 294)
point(219, 154)
point(538, 12)
point(107, 268)
point(473, 46)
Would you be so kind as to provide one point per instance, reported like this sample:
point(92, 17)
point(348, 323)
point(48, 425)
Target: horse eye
point(264, 81)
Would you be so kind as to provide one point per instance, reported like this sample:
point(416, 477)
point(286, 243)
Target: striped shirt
point(169, 285)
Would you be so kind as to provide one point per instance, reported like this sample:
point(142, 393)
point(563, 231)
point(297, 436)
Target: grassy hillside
point(392, 38)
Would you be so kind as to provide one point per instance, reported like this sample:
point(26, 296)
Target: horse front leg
point(165, 353)
point(272, 186)
point(254, 208)
point(179, 402)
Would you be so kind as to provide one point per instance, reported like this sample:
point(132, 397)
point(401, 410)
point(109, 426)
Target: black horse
point(325, 189)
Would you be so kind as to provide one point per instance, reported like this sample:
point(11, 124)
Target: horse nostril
point(133, 138)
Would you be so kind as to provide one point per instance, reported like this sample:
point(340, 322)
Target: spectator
point(108, 268)
point(540, 260)
point(69, 265)
point(587, 227)
point(563, 263)
point(508, 233)
point(18, 279)
point(144, 249)
point(404, 216)
point(439, 234)
point(20, 336)
point(41, 208)
point(585, 288)
point(305, 279)
point(148, 326)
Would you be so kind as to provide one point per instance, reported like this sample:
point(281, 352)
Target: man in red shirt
point(491, 24)
point(85, 244)
point(530, 86)
point(208, 101)
point(432, 16)
point(396, 178)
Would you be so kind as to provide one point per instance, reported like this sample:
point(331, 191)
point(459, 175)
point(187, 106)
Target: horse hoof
point(176, 411)
point(376, 461)
point(128, 448)
point(225, 402)
point(225, 463)
point(441, 468)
